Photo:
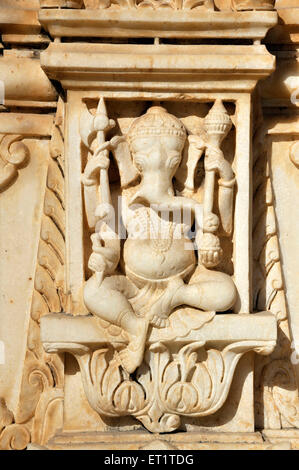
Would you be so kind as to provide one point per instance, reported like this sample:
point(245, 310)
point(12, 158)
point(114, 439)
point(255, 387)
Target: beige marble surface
point(115, 342)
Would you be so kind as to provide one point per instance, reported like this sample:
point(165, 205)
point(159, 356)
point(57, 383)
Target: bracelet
point(227, 184)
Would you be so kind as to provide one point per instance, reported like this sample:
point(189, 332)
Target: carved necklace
point(160, 232)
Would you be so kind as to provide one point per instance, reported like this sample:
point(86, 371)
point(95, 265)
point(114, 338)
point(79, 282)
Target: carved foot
point(131, 357)
point(161, 309)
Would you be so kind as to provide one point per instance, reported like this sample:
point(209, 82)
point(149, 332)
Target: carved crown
point(157, 121)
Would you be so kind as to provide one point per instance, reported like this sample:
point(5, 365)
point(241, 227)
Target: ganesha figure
point(138, 284)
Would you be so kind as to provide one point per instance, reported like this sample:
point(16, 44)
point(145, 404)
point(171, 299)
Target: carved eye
point(173, 160)
point(139, 161)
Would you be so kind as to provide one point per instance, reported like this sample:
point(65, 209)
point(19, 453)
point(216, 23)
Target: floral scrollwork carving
point(12, 436)
point(276, 390)
point(253, 4)
point(153, 4)
point(281, 399)
point(14, 154)
point(43, 374)
point(190, 381)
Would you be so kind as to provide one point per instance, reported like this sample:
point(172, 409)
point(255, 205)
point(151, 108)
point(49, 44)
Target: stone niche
point(145, 314)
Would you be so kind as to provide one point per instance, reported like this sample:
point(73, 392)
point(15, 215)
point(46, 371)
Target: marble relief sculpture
point(154, 289)
point(148, 228)
point(160, 270)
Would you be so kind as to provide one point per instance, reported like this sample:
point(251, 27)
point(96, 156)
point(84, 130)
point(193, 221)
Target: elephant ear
point(121, 152)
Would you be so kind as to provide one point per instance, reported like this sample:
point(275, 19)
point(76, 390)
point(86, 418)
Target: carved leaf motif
point(168, 384)
point(6, 416)
point(45, 286)
point(275, 400)
point(171, 376)
point(269, 286)
point(191, 4)
point(37, 377)
point(111, 380)
point(14, 437)
point(169, 422)
point(187, 359)
point(203, 382)
point(183, 397)
point(154, 4)
point(252, 4)
point(129, 397)
point(157, 357)
point(215, 366)
point(200, 385)
point(97, 4)
point(280, 379)
point(166, 423)
point(182, 321)
point(43, 374)
point(54, 209)
point(144, 377)
point(47, 417)
point(55, 181)
point(39, 306)
point(57, 139)
point(98, 367)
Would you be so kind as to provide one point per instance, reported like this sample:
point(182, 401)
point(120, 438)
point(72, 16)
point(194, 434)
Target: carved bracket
point(190, 377)
point(167, 385)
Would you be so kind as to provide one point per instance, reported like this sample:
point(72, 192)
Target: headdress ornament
point(156, 121)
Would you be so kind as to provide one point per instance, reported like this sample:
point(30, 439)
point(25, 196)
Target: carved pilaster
point(41, 392)
point(277, 397)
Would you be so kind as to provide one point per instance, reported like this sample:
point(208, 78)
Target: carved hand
point(104, 211)
point(98, 162)
point(104, 258)
point(97, 263)
point(197, 142)
point(215, 161)
point(209, 250)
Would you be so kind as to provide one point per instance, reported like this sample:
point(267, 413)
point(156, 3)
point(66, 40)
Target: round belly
point(145, 260)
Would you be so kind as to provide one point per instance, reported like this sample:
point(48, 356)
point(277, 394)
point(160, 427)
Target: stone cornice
point(160, 23)
point(28, 125)
point(24, 80)
point(163, 67)
point(17, 21)
point(287, 30)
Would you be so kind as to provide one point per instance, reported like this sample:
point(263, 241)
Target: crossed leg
point(109, 301)
point(207, 290)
